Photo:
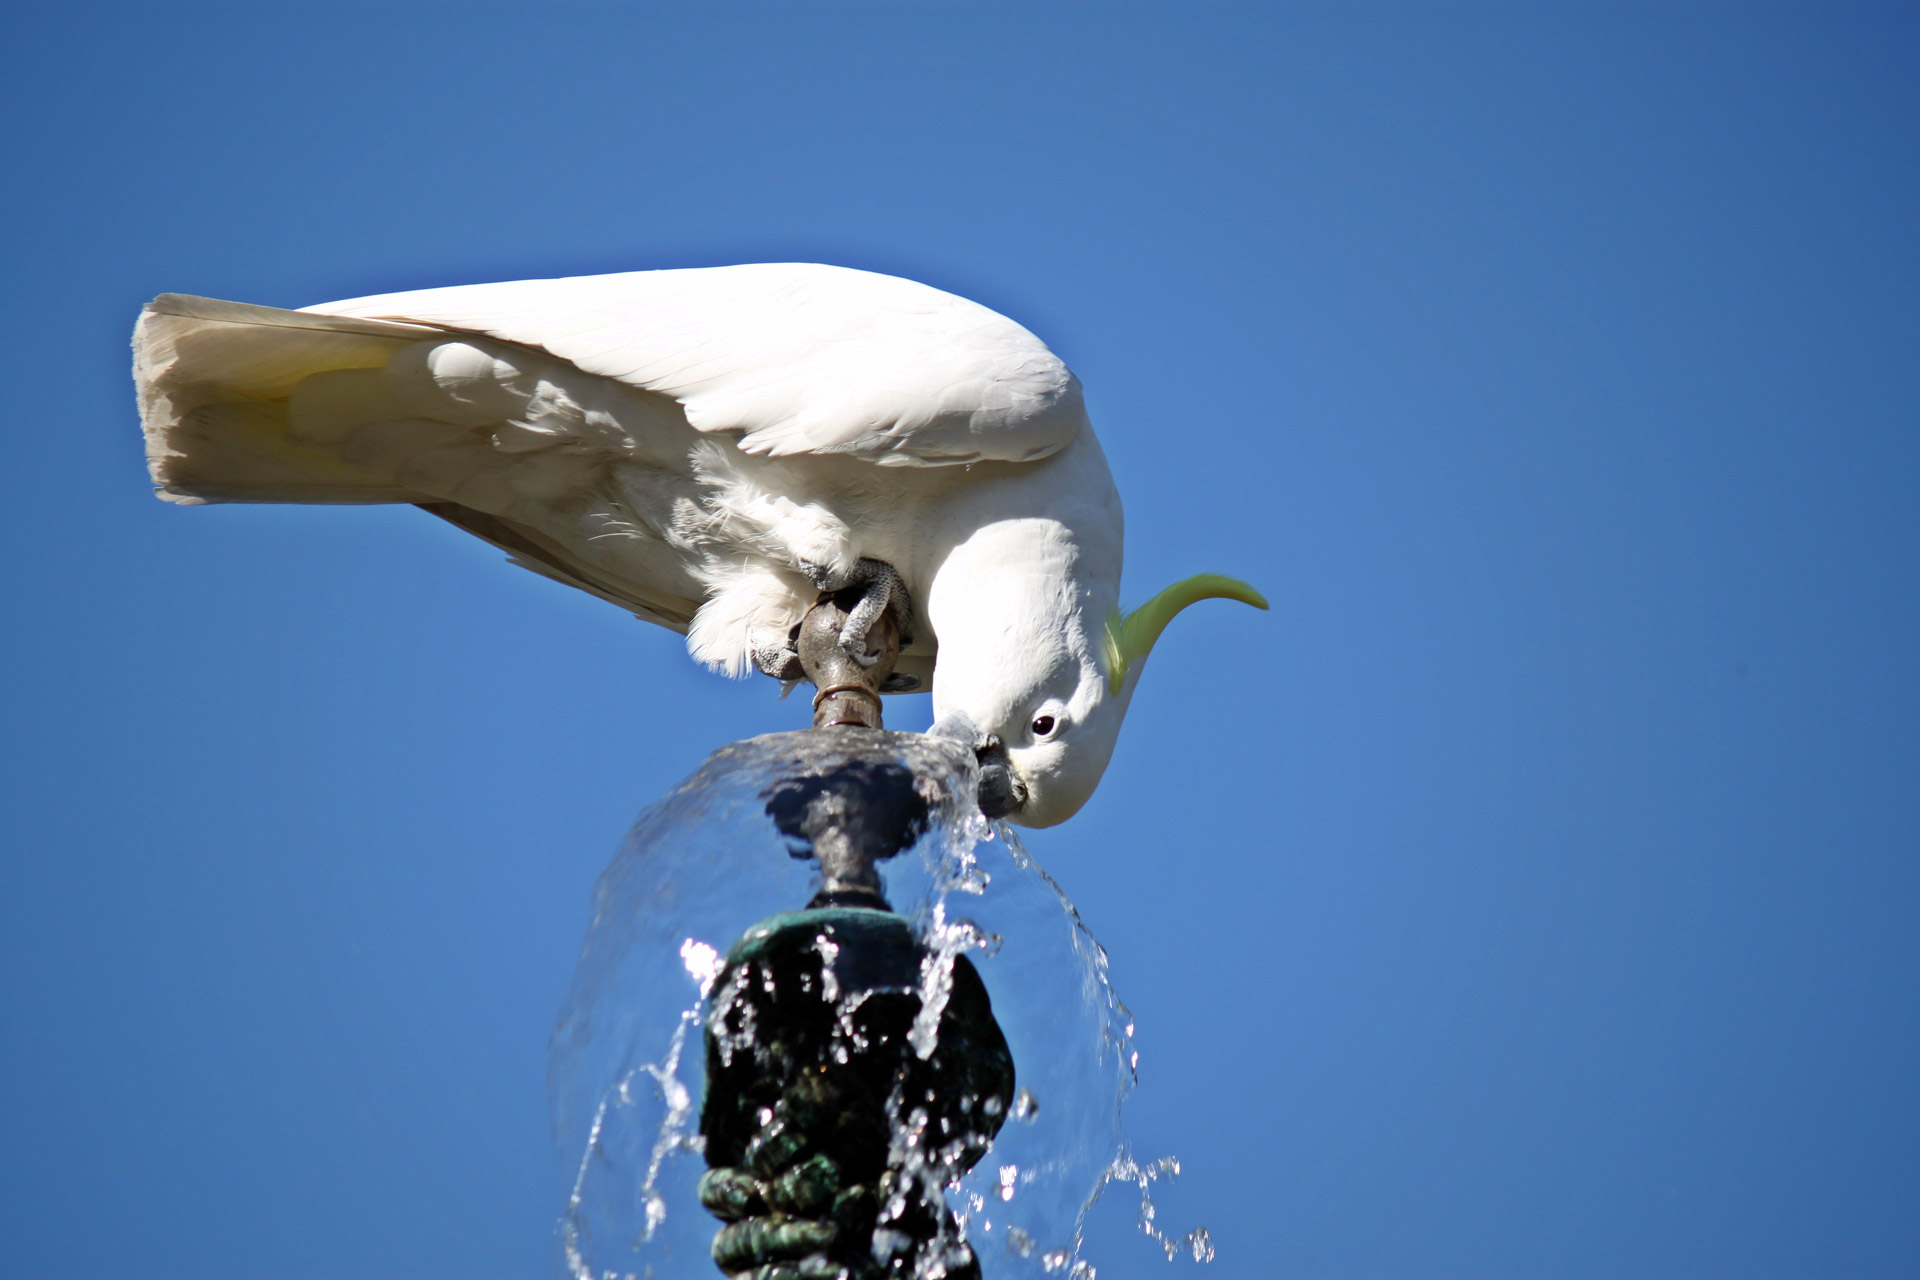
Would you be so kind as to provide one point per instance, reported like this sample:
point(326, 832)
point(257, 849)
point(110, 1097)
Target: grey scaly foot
point(880, 590)
point(782, 662)
point(880, 587)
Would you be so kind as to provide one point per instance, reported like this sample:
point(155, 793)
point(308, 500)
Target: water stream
point(706, 863)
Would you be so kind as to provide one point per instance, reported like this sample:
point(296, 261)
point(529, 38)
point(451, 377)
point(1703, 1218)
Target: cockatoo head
point(1041, 688)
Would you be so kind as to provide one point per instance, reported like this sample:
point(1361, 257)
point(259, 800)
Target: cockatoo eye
point(1043, 726)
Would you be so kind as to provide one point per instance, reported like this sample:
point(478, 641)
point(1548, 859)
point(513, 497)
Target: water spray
point(852, 1072)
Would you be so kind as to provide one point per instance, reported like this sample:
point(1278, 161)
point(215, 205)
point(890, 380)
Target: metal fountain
point(817, 1022)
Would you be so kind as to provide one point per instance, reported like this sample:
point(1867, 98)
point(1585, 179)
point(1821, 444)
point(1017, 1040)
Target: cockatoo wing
point(563, 420)
point(788, 358)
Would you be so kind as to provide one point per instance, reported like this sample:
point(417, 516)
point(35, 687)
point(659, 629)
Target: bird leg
point(880, 590)
point(860, 598)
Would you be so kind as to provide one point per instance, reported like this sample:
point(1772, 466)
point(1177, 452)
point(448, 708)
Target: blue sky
point(1530, 894)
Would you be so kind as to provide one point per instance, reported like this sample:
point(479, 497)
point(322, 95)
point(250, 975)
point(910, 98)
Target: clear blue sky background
point(1532, 893)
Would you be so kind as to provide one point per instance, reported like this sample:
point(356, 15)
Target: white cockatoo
point(711, 449)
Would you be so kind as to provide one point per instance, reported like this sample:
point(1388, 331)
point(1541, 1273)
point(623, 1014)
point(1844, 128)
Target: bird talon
point(881, 593)
point(783, 664)
point(825, 577)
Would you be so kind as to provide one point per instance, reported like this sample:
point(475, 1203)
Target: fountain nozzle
point(860, 805)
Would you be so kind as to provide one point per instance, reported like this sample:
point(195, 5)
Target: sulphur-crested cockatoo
point(711, 449)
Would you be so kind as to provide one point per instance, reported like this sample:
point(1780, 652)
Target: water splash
point(1119, 1060)
point(707, 862)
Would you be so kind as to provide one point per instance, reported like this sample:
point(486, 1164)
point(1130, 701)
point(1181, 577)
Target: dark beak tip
point(999, 789)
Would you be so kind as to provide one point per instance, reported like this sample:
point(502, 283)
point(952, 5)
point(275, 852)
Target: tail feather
point(214, 380)
point(572, 478)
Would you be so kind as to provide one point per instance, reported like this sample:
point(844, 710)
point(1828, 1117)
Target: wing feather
point(787, 358)
point(560, 420)
point(574, 477)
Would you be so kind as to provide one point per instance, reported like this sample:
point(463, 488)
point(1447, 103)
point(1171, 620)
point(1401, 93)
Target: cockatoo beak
point(1001, 790)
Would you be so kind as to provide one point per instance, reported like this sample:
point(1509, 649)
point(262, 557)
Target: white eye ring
point(1043, 727)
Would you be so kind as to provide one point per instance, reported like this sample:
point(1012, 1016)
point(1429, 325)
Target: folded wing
point(789, 358)
point(562, 420)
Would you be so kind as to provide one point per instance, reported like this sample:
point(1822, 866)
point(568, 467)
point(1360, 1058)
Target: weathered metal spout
point(860, 804)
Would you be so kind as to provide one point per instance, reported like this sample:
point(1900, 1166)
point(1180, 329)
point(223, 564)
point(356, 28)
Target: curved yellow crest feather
point(1131, 638)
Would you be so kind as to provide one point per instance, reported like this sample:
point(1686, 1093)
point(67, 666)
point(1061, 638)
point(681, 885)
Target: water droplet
point(703, 963)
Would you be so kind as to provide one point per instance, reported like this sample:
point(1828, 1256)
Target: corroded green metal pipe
point(830, 1139)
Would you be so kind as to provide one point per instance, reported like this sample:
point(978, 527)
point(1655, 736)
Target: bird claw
point(881, 592)
point(782, 662)
point(833, 638)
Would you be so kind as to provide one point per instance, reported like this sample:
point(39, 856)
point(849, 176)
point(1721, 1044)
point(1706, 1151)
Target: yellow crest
point(1131, 638)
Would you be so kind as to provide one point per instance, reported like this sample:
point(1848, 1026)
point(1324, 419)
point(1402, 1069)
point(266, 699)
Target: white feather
point(791, 358)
